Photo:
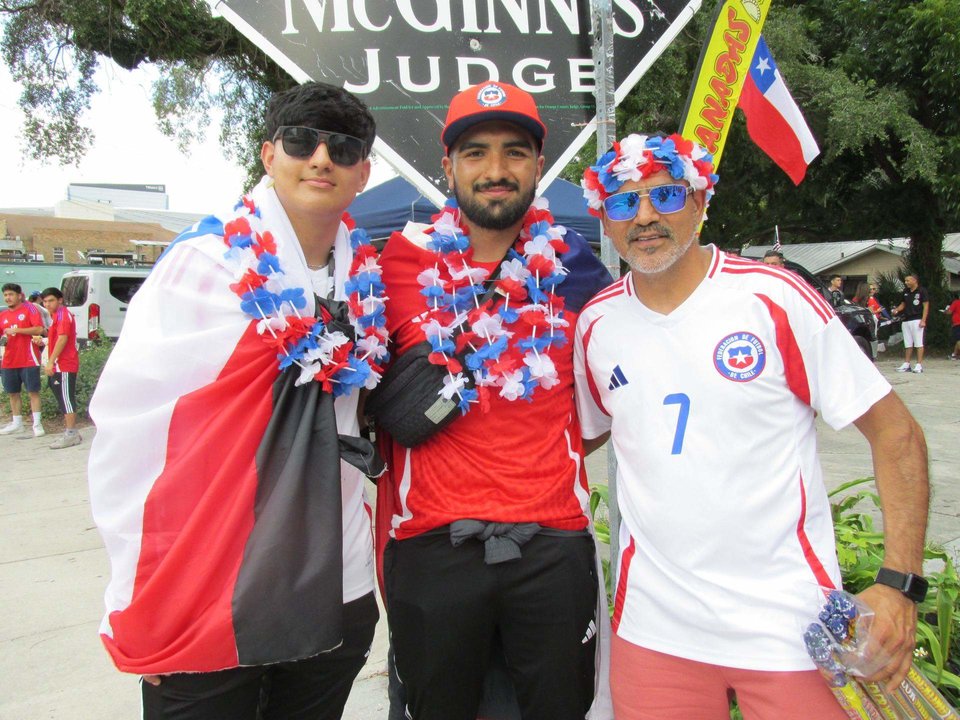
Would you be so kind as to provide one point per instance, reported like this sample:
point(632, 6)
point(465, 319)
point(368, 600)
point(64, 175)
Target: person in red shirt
point(953, 310)
point(19, 324)
point(488, 520)
point(63, 364)
point(873, 304)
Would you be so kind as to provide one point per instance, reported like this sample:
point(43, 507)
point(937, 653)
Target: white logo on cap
point(491, 96)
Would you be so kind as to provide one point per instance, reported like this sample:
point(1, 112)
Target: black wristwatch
point(913, 586)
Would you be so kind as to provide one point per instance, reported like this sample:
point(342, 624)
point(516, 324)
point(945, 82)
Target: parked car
point(98, 298)
point(858, 320)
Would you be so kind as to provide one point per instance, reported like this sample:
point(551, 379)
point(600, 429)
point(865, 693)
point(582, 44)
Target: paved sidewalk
point(53, 568)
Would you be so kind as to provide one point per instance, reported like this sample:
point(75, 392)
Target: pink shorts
point(648, 685)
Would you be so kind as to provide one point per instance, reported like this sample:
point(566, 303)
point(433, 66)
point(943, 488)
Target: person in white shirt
point(707, 371)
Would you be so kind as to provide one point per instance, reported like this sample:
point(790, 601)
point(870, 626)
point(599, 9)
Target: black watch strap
point(913, 586)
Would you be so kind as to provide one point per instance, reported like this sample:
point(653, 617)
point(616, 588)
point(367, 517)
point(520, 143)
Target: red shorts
point(648, 685)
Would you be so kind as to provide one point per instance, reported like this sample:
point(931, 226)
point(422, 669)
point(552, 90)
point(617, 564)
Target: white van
point(98, 298)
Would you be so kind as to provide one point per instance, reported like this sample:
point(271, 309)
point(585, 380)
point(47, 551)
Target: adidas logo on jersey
point(591, 631)
point(617, 379)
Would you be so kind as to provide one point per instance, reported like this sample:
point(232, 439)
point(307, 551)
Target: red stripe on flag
point(771, 132)
point(196, 521)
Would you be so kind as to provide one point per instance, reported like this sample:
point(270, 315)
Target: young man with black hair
point(226, 475)
point(488, 519)
point(836, 290)
point(20, 323)
point(63, 364)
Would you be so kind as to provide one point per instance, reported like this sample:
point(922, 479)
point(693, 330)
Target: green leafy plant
point(600, 512)
point(890, 287)
point(860, 550)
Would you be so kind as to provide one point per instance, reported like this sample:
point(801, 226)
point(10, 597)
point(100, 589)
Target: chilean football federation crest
point(740, 357)
point(491, 96)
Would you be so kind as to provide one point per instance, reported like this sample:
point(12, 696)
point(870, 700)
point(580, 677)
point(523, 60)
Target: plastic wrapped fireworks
point(840, 646)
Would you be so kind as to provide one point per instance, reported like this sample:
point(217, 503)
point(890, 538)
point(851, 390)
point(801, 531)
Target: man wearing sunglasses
point(224, 473)
point(488, 520)
point(707, 371)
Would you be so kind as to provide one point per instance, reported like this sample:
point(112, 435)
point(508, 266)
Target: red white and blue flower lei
point(508, 347)
point(324, 355)
point(640, 156)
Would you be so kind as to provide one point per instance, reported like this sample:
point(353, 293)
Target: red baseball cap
point(491, 101)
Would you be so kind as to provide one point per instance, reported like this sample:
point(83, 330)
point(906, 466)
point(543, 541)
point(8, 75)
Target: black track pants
point(445, 606)
point(313, 689)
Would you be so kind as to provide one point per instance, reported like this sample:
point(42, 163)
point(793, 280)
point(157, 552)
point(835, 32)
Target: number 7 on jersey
point(683, 401)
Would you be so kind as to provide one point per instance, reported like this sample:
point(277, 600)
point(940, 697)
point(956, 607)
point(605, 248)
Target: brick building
point(70, 240)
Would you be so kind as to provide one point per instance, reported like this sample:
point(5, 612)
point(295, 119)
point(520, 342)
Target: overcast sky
point(128, 149)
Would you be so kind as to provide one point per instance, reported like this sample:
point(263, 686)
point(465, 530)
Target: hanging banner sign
point(724, 65)
point(406, 59)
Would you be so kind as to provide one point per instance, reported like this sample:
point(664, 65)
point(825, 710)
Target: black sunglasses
point(302, 142)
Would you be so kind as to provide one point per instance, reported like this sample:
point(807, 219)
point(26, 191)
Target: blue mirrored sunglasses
point(665, 199)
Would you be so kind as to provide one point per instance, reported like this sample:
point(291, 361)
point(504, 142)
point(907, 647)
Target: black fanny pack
point(407, 402)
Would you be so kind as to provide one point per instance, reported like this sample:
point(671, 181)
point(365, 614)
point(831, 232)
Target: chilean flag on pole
point(774, 122)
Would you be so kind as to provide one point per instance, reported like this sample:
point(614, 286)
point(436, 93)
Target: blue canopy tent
point(391, 205)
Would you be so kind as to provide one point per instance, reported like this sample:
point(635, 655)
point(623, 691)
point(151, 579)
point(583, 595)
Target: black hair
point(834, 277)
point(52, 291)
point(13, 286)
point(773, 253)
point(322, 107)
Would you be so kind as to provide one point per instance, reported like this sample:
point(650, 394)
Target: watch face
point(912, 586)
point(916, 588)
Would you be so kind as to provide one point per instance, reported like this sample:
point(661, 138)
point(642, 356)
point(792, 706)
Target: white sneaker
point(38, 430)
point(65, 441)
point(918, 368)
point(904, 368)
point(11, 428)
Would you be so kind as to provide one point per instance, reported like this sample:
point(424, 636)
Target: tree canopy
point(52, 48)
point(877, 82)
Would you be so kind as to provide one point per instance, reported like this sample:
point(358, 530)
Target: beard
point(656, 260)
point(499, 214)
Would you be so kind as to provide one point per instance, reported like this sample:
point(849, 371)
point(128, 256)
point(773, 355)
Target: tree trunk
point(925, 259)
